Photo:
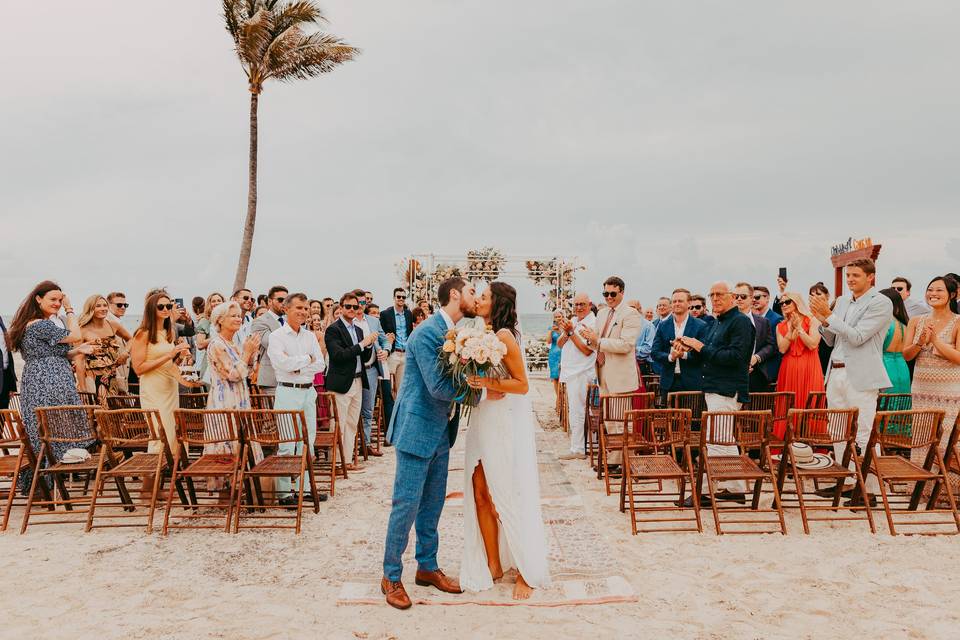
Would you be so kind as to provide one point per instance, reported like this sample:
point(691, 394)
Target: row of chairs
point(657, 448)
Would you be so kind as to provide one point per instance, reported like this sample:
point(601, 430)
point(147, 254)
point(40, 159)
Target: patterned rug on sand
point(580, 574)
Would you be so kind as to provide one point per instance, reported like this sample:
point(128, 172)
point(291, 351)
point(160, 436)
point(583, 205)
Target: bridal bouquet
point(471, 351)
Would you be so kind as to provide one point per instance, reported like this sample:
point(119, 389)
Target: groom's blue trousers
point(419, 490)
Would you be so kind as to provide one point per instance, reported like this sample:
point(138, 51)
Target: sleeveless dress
point(101, 366)
point(160, 389)
point(501, 435)
point(48, 381)
point(936, 385)
point(553, 359)
point(800, 372)
point(894, 363)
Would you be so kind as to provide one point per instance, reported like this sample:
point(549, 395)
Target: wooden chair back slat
point(821, 427)
point(198, 427)
point(658, 430)
point(67, 423)
point(778, 403)
point(815, 400)
point(129, 428)
point(89, 399)
point(692, 400)
point(193, 401)
point(909, 429)
point(115, 403)
point(12, 432)
point(745, 429)
point(261, 401)
point(15, 401)
point(272, 427)
point(614, 406)
point(894, 402)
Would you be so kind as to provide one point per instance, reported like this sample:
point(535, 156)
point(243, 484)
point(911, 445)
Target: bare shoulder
point(506, 337)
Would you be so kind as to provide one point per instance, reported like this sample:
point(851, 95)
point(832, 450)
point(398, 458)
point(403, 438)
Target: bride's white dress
point(501, 435)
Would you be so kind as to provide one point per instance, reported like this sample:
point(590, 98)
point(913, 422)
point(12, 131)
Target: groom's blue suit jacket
point(421, 415)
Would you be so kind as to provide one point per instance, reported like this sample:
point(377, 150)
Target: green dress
point(895, 364)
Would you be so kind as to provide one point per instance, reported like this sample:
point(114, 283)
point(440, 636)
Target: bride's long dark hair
point(503, 307)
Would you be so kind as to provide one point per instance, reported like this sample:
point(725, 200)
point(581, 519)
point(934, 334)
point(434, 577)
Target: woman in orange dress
point(798, 337)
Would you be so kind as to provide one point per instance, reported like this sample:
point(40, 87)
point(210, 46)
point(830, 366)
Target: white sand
point(840, 582)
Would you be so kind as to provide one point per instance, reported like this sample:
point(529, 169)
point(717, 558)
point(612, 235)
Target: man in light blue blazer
point(422, 429)
point(856, 328)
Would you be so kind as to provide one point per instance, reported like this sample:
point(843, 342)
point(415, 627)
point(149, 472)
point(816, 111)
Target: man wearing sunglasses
point(698, 309)
point(577, 370)
point(764, 344)
point(118, 309)
point(615, 344)
point(397, 322)
point(914, 306)
point(349, 348)
point(761, 306)
point(373, 369)
point(263, 326)
point(245, 299)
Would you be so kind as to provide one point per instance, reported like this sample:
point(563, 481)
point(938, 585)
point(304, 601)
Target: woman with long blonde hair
point(97, 371)
point(798, 338)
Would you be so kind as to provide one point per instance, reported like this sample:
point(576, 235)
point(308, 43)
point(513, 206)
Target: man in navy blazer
point(761, 306)
point(422, 429)
point(679, 368)
point(764, 343)
point(8, 376)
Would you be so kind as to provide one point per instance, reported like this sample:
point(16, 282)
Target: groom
point(422, 430)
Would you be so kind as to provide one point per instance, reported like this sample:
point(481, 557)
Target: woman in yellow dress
point(154, 353)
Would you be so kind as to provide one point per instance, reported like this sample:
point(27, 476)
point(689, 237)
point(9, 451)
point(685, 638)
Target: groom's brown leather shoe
point(396, 595)
point(439, 580)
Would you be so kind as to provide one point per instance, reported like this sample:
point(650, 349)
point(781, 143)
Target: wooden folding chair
point(898, 431)
point(697, 404)
point(613, 408)
point(89, 399)
point(115, 403)
point(894, 402)
point(563, 409)
point(329, 440)
point(591, 426)
point(282, 427)
point(778, 403)
point(815, 400)
point(203, 428)
point(825, 428)
point(193, 401)
point(376, 427)
point(262, 401)
point(131, 430)
point(66, 424)
point(747, 431)
point(655, 439)
point(651, 383)
point(14, 401)
point(16, 455)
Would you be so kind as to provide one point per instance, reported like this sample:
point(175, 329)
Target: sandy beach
point(839, 582)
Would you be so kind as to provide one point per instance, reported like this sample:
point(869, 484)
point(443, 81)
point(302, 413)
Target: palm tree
point(279, 41)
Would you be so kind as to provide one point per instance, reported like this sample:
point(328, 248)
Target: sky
point(671, 143)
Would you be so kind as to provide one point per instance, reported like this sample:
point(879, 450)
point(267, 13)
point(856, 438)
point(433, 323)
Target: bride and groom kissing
point(503, 526)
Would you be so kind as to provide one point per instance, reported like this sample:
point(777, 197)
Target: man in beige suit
point(615, 341)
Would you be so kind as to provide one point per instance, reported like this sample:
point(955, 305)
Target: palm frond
point(297, 13)
point(233, 16)
point(254, 38)
point(308, 56)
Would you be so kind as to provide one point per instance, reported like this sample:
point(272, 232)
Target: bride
point(503, 526)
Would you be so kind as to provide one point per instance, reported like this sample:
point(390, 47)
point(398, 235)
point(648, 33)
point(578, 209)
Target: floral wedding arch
point(555, 275)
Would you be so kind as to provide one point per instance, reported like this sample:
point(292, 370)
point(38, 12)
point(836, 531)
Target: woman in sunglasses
point(154, 356)
point(798, 338)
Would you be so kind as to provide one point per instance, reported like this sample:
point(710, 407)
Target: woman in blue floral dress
point(48, 379)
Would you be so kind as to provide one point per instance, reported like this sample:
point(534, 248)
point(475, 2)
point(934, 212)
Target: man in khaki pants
point(615, 340)
point(397, 324)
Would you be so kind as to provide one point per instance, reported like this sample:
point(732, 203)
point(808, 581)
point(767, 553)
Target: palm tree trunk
point(246, 245)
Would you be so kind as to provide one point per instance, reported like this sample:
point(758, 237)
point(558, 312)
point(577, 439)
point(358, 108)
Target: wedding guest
point(229, 368)
point(644, 341)
point(372, 310)
point(155, 353)
point(8, 374)
point(819, 290)
point(761, 306)
point(893, 343)
point(418, 316)
point(318, 327)
point(259, 311)
point(680, 368)
point(296, 359)
point(764, 344)
point(97, 371)
point(725, 354)
point(316, 308)
point(553, 356)
point(577, 370)
point(198, 303)
point(328, 305)
point(397, 322)
point(615, 344)
point(648, 314)
point(798, 339)
point(247, 303)
point(349, 349)
point(268, 322)
point(914, 307)
point(205, 332)
point(663, 311)
point(934, 341)
point(183, 326)
point(118, 310)
point(781, 288)
point(118, 304)
point(427, 308)
point(698, 309)
point(856, 327)
point(47, 347)
point(372, 369)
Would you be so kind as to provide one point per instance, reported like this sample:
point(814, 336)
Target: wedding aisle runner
point(582, 572)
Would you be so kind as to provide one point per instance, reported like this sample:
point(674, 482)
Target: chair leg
point(798, 482)
point(886, 502)
point(863, 491)
point(713, 501)
point(33, 489)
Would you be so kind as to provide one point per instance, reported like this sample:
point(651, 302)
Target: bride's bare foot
point(521, 590)
point(496, 572)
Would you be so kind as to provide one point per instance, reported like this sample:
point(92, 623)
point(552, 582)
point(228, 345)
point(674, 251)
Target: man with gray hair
point(577, 368)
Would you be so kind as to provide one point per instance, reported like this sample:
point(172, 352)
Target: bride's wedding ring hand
point(476, 382)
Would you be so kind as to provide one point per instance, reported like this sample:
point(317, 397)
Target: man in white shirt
point(577, 370)
point(296, 358)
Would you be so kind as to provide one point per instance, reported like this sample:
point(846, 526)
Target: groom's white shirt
point(446, 319)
